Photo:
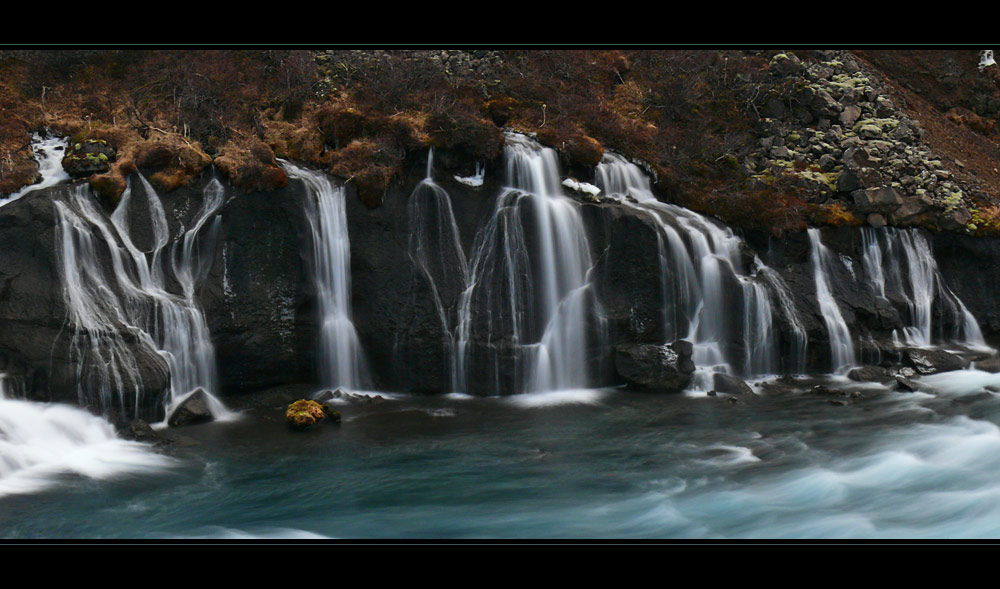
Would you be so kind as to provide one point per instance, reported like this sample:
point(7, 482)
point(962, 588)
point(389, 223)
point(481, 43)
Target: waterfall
point(40, 444)
point(342, 362)
point(133, 300)
point(699, 259)
point(901, 269)
point(841, 347)
point(48, 153)
point(529, 276)
point(436, 251)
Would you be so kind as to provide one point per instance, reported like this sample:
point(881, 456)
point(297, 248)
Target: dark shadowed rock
point(192, 410)
point(933, 361)
point(655, 367)
point(724, 383)
point(989, 364)
point(904, 384)
point(870, 374)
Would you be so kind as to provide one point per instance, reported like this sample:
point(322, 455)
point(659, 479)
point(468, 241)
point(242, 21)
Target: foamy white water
point(45, 445)
point(48, 153)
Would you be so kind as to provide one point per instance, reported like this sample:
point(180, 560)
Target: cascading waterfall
point(42, 443)
point(529, 274)
point(697, 258)
point(436, 250)
point(841, 347)
point(342, 363)
point(901, 268)
point(48, 153)
point(133, 301)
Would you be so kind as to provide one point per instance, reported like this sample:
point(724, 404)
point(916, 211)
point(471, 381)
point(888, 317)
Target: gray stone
point(724, 383)
point(933, 361)
point(955, 219)
point(192, 410)
point(850, 115)
point(870, 374)
point(655, 367)
point(877, 200)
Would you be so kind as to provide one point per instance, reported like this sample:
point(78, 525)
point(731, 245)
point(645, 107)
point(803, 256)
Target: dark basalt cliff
point(260, 301)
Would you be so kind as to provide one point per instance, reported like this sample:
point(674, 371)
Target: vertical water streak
point(701, 258)
point(529, 275)
point(341, 360)
point(841, 347)
point(921, 289)
point(132, 300)
point(436, 250)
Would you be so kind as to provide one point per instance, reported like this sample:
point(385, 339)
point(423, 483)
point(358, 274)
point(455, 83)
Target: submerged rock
point(192, 410)
point(656, 367)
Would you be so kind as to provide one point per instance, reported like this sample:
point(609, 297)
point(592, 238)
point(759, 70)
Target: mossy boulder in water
point(304, 414)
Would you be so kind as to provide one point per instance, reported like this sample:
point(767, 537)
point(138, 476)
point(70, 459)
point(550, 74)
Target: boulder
point(991, 364)
point(870, 374)
point(904, 384)
point(933, 361)
point(655, 367)
point(92, 156)
point(877, 200)
point(192, 410)
point(850, 115)
point(724, 383)
point(955, 219)
point(304, 414)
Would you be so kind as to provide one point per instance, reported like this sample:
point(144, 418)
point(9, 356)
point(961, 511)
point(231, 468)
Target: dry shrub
point(241, 162)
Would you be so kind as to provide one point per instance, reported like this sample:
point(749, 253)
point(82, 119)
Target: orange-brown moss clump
point(500, 110)
point(465, 133)
point(304, 413)
point(340, 124)
point(370, 168)
point(575, 148)
point(834, 215)
point(250, 165)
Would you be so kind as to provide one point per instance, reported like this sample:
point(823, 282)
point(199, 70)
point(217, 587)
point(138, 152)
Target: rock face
point(260, 301)
point(666, 368)
point(191, 411)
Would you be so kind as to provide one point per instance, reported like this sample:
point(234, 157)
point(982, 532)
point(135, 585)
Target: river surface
point(572, 464)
